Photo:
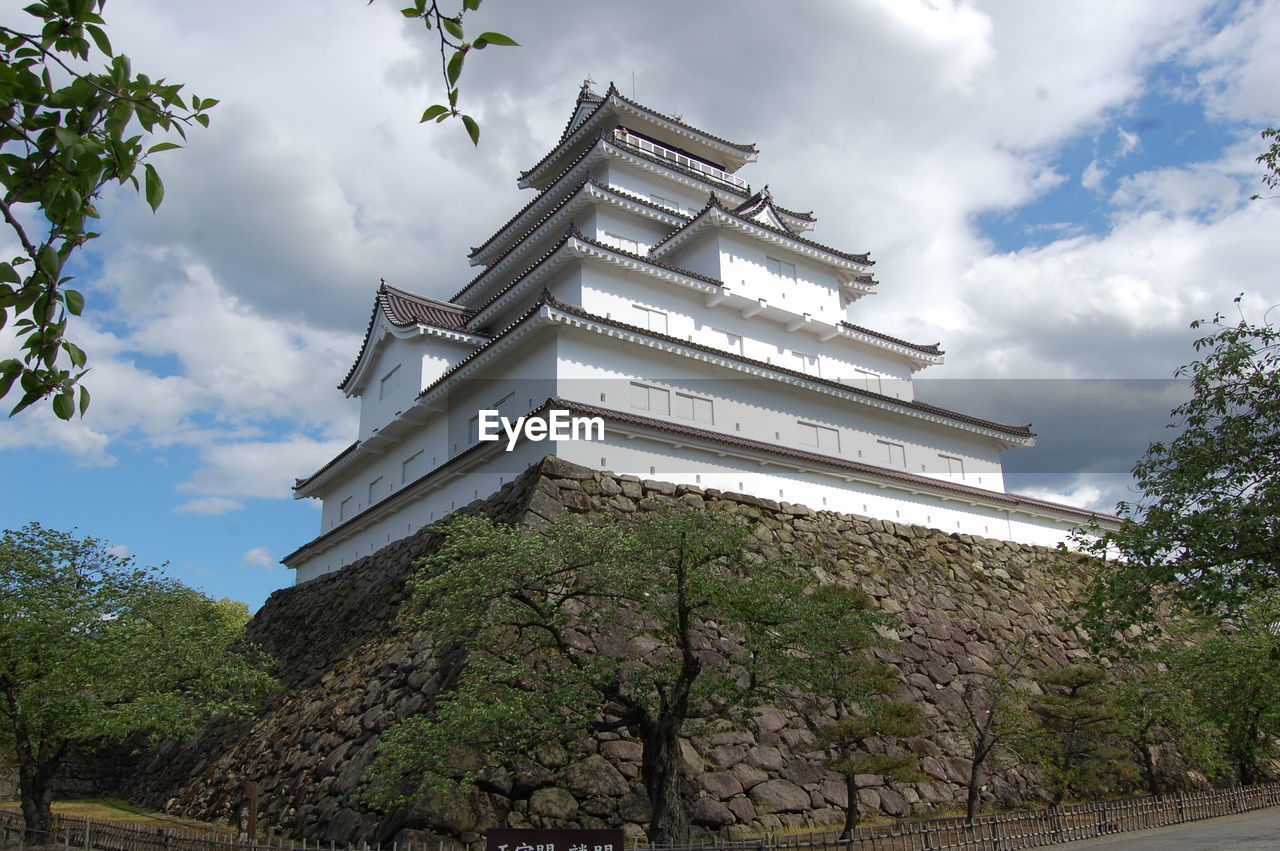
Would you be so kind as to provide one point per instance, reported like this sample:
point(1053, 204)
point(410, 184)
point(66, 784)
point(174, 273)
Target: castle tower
point(672, 323)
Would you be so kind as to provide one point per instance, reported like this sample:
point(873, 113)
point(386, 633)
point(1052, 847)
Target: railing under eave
point(682, 160)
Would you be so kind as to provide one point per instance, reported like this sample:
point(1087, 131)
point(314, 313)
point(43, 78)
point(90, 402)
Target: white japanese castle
point(648, 290)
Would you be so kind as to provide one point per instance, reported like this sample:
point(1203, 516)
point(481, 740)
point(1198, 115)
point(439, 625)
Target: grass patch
point(120, 811)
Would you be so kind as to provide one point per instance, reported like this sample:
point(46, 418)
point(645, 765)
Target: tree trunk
point(1149, 769)
point(35, 788)
point(660, 769)
point(852, 815)
point(975, 776)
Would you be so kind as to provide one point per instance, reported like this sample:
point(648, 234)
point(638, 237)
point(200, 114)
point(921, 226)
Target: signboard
point(520, 839)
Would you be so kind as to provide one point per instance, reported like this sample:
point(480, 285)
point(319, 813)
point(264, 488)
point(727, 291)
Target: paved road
point(1256, 831)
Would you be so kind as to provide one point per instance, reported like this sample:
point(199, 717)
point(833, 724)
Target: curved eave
point(714, 216)
point(588, 193)
point(381, 328)
point(605, 147)
point(919, 356)
point(611, 109)
point(576, 246)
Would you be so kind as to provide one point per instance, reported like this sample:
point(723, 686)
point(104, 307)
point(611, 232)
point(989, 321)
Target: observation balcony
point(683, 160)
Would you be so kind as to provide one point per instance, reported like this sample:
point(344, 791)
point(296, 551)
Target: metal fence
point(992, 832)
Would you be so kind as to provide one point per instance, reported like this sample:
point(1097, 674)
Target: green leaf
point(496, 38)
point(74, 300)
point(454, 69)
point(452, 26)
point(410, 12)
point(99, 38)
point(471, 5)
point(473, 129)
point(84, 399)
point(9, 372)
point(435, 111)
point(64, 405)
point(8, 274)
point(154, 188)
point(162, 146)
point(74, 352)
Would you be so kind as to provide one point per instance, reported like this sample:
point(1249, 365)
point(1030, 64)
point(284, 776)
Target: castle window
point(652, 399)
point(808, 364)
point(894, 454)
point(781, 268)
point(693, 408)
point(411, 468)
point(623, 242)
point(866, 380)
point(387, 385)
point(345, 508)
point(819, 437)
point(954, 466)
point(374, 487)
point(654, 320)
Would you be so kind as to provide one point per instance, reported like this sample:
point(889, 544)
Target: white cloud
point(118, 550)
point(1128, 142)
point(258, 557)
point(1093, 176)
point(208, 506)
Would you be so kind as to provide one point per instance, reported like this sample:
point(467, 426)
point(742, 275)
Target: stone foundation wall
point(350, 672)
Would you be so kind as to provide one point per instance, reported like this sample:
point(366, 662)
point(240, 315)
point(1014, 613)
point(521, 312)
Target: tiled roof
point(812, 457)
point(746, 149)
point(923, 407)
point(298, 483)
point(608, 137)
point(572, 194)
point(574, 233)
point(403, 308)
point(614, 93)
point(714, 206)
point(931, 349)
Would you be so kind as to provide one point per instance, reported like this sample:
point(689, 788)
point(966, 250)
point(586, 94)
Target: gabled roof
point(714, 214)
point(403, 309)
point(612, 105)
point(759, 208)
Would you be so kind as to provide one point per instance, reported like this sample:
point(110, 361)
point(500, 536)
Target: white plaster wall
point(612, 292)
point(646, 185)
point(649, 459)
point(601, 370)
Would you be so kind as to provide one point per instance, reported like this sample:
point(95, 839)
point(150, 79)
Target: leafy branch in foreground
point(65, 133)
point(454, 48)
point(1203, 536)
point(1270, 159)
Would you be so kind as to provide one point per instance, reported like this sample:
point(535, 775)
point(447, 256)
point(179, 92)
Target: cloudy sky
point(1052, 189)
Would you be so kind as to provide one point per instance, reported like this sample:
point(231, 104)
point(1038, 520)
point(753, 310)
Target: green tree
point(844, 695)
point(65, 133)
point(1234, 672)
point(94, 649)
point(1079, 749)
point(1160, 719)
point(1204, 534)
point(996, 716)
point(581, 627)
